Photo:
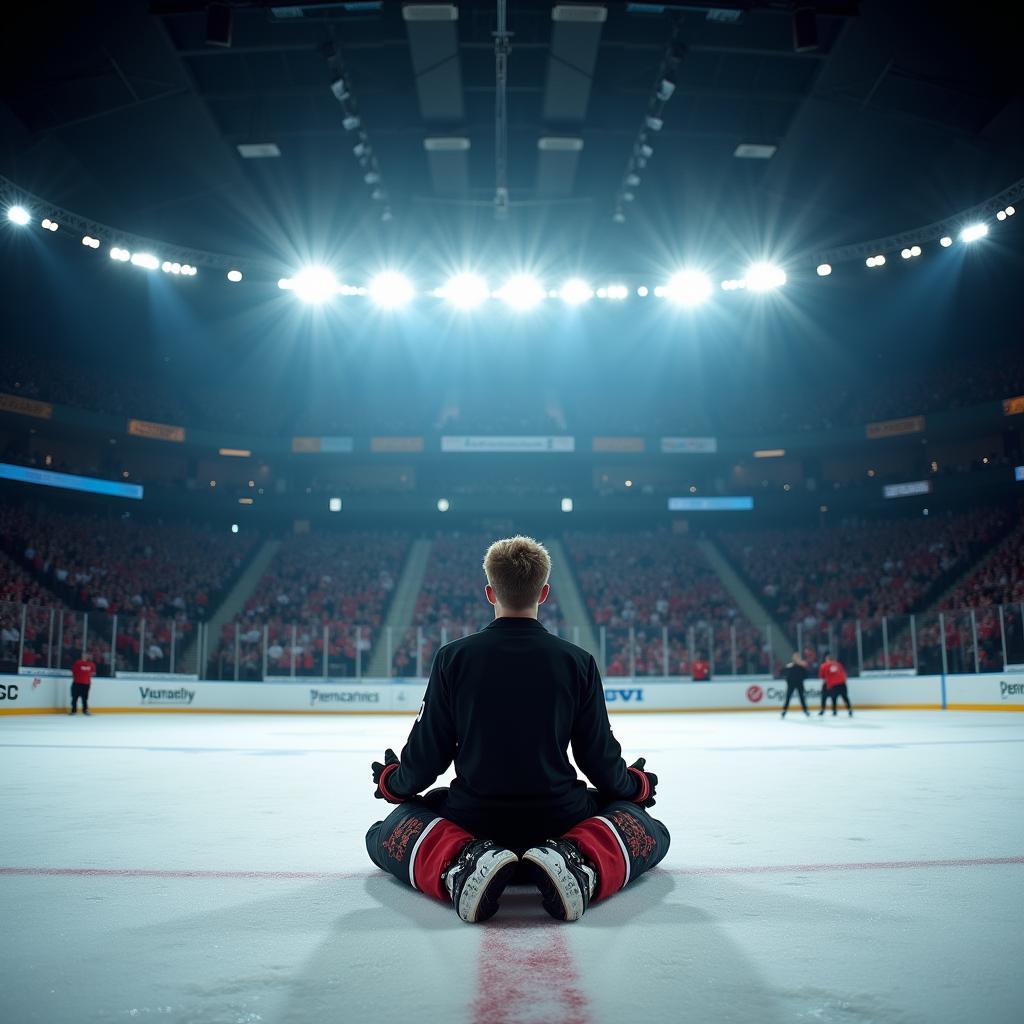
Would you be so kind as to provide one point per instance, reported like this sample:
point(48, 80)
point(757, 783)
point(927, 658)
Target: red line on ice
point(755, 869)
point(527, 981)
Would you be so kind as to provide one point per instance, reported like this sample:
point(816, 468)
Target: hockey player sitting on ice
point(505, 704)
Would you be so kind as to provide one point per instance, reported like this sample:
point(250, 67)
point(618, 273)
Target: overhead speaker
point(805, 29)
point(218, 25)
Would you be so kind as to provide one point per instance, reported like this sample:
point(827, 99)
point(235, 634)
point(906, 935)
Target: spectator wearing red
point(833, 685)
point(701, 669)
point(82, 672)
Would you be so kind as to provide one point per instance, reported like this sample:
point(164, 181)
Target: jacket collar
point(507, 621)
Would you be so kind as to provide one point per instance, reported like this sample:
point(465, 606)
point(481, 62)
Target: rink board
point(26, 694)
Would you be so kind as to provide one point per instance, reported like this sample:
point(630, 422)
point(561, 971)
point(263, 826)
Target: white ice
point(859, 923)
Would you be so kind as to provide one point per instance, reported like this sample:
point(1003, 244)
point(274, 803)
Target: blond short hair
point(517, 569)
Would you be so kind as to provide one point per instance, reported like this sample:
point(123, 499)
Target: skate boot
point(565, 880)
point(477, 878)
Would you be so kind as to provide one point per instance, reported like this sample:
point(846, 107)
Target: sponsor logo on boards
point(343, 697)
point(635, 696)
point(8, 691)
point(1010, 689)
point(177, 696)
point(755, 694)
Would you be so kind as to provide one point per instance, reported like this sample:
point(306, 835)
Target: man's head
point(517, 570)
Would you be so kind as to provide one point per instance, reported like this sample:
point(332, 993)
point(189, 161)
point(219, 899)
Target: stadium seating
point(342, 581)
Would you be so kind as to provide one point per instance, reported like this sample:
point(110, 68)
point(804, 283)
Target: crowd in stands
point(159, 579)
point(820, 582)
point(660, 586)
point(341, 582)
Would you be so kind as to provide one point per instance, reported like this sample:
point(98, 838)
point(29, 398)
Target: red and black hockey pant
point(79, 690)
point(416, 844)
point(833, 694)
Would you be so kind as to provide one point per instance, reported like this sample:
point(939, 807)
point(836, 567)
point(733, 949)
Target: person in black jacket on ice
point(505, 704)
point(795, 673)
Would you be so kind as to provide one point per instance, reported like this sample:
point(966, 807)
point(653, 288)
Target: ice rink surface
point(211, 869)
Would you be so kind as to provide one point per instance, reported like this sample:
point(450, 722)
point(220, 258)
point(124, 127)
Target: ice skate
point(477, 879)
point(566, 882)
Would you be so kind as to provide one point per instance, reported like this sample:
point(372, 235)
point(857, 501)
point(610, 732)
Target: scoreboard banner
point(396, 444)
point(156, 431)
point(323, 445)
point(517, 443)
point(26, 407)
point(689, 445)
point(618, 444)
point(894, 428)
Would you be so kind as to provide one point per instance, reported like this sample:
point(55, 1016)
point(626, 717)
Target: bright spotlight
point(763, 277)
point(18, 215)
point(642, 291)
point(390, 289)
point(49, 225)
point(945, 241)
point(234, 527)
point(576, 291)
point(145, 260)
point(567, 504)
point(92, 243)
point(876, 261)
point(521, 292)
point(313, 285)
point(973, 232)
point(443, 504)
point(617, 292)
point(906, 254)
point(688, 288)
point(465, 291)
point(234, 276)
point(175, 268)
point(915, 250)
point(1009, 211)
point(824, 269)
point(119, 254)
point(334, 504)
point(1001, 215)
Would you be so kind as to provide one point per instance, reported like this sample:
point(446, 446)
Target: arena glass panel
point(959, 641)
point(898, 639)
point(928, 634)
point(1013, 633)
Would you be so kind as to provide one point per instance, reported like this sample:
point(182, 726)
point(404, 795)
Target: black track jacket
point(505, 704)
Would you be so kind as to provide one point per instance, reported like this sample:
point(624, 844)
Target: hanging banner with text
point(689, 445)
point(526, 443)
point(26, 407)
point(156, 431)
point(894, 428)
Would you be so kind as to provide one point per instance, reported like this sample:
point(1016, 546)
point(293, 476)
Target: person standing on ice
point(795, 673)
point(82, 672)
point(505, 704)
point(833, 685)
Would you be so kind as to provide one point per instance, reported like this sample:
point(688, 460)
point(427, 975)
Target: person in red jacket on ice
point(833, 685)
point(82, 672)
point(505, 704)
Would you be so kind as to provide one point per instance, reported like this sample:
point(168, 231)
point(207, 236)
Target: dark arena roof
point(616, 144)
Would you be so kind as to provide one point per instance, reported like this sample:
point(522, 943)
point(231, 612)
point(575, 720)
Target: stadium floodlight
point(575, 292)
point(1001, 215)
point(443, 504)
point(945, 241)
point(119, 254)
point(234, 276)
point(166, 266)
point(389, 289)
point(521, 292)
point(875, 261)
point(92, 243)
point(51, 225)
point(146, 260)
point(1009, 211)
point(655, 124)
point(567, 504)
point(824, 269)
point(313, 285)
point(666, 87)
point(645, 150)
point(632, 179)
point(465, 291)
point(334, 504)
point(234, 527)
point(18, 215)
point(175, 268)
point(906, 254)
point(973, 232)
point(351, 123)
point(643, 291)
point(617, 292)
point(688, 288)
point(915, 250)
point(763, 277)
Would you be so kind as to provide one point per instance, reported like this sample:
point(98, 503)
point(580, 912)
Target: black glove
point(381, 774)
point(647, 783)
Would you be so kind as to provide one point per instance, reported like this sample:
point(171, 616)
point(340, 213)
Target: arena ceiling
point(897, 114)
